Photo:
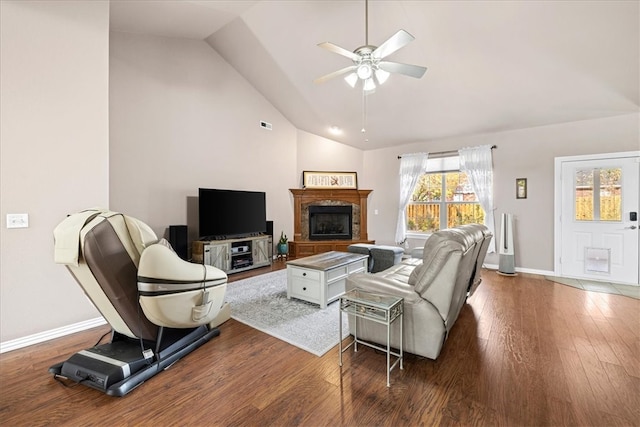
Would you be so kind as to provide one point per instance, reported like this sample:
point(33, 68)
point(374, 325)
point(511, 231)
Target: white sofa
point(434, 289)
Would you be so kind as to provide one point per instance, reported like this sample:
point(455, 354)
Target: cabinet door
point(217, 255)
point(261, 251)
point(320, 248)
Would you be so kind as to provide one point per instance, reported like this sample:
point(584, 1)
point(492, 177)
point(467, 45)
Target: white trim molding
point(522, 270)
point(51, 334)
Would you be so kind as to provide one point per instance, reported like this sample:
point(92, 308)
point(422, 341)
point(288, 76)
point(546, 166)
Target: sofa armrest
point(376, 284)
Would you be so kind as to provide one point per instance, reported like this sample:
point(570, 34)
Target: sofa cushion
point(439, 254)
point(415, 274)
point(432, 242)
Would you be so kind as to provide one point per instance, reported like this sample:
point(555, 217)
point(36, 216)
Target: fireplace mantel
point(304, 197)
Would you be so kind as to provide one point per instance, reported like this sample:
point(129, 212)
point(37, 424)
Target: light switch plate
point(17, 220)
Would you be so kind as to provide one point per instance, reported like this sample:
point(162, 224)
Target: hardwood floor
point(524, 351)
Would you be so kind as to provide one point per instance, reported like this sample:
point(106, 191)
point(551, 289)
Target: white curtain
point(412, 166)
point(477, 163)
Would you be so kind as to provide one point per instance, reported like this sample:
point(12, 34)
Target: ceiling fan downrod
point(366, 22)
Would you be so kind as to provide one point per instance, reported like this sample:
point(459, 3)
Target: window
point(442, 200)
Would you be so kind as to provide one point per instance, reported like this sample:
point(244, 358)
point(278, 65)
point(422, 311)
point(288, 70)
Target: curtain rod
point(439, 154)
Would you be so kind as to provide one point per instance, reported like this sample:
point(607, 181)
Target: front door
point(599, 235)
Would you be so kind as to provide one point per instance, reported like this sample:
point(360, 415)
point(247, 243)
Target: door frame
point(557, 203)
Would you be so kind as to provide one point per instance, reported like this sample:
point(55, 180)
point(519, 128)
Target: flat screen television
point(231, 213)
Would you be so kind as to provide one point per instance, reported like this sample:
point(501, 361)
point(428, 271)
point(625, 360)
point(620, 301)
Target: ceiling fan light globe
point(351, 79)
point(369, 85)
point(382, 76)
point(364, 71)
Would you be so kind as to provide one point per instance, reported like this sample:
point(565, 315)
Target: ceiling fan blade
point(334, 74)
point(406, 69)
point(393, 43)
point(339, 50)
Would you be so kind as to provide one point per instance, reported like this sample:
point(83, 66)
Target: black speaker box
point(178, 240)
point(270, 233)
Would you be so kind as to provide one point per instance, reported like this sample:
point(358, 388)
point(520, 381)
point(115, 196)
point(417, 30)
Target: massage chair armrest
point(178, 294)
point(162, 263)
point(376, 284)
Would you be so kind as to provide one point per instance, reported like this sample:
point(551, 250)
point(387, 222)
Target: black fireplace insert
point(330, 222)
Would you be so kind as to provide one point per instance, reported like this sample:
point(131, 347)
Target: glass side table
point(382, 309)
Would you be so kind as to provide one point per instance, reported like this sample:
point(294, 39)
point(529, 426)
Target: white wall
point(182, 118)
point(525, 153)
point(316, 153)
point(54, 151)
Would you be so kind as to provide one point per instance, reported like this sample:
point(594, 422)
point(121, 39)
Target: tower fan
point(507, 263)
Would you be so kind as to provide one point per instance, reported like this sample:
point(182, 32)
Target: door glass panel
point(584, 195)
point(610, 194)
point(598, 194)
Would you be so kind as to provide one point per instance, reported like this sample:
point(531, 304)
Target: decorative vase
point(283, 248)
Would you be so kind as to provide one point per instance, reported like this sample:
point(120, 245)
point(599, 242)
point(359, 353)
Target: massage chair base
point(118, 367)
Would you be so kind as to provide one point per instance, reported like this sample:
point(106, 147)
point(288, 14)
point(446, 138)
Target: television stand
point(234, 255)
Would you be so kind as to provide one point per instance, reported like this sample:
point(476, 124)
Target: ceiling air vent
point(266, 125)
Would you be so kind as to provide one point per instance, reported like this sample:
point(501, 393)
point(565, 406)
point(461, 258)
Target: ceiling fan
point(368, 64)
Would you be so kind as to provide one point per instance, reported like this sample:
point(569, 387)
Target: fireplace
point(304, 198)
point(330, 222)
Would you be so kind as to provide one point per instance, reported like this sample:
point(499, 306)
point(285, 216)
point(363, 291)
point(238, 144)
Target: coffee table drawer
point(305, 289)
point(300, 273)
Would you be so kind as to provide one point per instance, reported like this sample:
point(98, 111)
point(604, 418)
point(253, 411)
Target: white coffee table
point(321, 278)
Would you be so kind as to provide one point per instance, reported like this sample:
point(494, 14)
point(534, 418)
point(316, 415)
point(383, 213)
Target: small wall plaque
point(521, 188)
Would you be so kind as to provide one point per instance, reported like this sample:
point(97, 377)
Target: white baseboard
point(51, 334)
point(522, 270)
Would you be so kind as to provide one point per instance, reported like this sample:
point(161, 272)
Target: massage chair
point(159, 307)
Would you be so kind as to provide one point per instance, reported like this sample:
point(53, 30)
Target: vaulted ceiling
point(492, 65)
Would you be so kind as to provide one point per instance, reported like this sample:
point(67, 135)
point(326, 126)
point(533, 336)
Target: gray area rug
point(261, 302)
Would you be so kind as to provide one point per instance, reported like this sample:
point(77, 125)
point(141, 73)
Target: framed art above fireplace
point(318, 179)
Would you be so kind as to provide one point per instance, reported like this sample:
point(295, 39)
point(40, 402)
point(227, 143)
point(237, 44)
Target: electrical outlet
point(17, 220)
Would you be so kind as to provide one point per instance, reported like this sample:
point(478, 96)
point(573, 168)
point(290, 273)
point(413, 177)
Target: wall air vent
point(266, 125)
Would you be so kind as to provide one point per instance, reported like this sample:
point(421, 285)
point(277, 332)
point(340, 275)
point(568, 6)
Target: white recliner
point(159, 306)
